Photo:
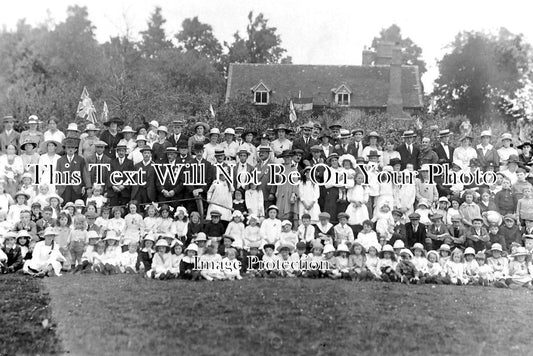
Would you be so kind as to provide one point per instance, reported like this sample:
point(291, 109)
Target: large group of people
point(57, 215)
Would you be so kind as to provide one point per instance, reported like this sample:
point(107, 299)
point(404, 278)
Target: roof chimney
point(395, 101)
point(384, 53)
point(368, 57)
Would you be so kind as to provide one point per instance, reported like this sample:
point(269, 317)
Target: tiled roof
point(369, 84)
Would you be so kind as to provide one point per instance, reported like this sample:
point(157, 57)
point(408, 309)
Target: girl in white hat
point(471, 265)
point(434, 270)
point(162, 261)
point(387, 265)
point(252, 232)
point(112, 254)
point(236, 228)
point(499, 264)
point(455, 268)
point(520, 269)
point(406, 269)
point(176, 257)
point(46, 259)
point(188, 262)
point(419, 260)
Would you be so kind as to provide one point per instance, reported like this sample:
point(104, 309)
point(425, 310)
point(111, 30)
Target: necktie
point(305, 233)
point(357, 148)
point(410, 149)
point(121, 161)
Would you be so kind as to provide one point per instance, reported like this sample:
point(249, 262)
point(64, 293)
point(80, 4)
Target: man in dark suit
point(145, 193)
point(166, 190)
point(198, 165)
point(408, 150)
point(344, 146)
point(177, 134)
point(415, 231)
point(305, 142)
point(74, 170)
point(443, 150)
point(119, 194)
point(358, 145)
point(242, 169)
point(9, 136)
point(263, 176)
point(99, 157)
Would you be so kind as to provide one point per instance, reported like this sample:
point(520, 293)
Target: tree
point(261, 45)
point(482, 74)
point(412, 54)
point(154, 38)
point(198, 37)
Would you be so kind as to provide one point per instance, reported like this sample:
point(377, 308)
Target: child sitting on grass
point(342, 262)
point(210, 263)
point(86, 258)
point(406, 269)
point(367, 237)
point(187, 263)
point(357, 262)
point(112, 254)
point(520, 269)
point(315, 257)
point(176, 257)
point(387, 265)
point(434, 272)
point(471, 266)
point(252, 233)
point(499, 266)
point(232, 266)
point(371, 262)
point(454, 268)
point(444, 255)
point(128, 259)
point(420, 261)
point(162, 262)
point(485, 271)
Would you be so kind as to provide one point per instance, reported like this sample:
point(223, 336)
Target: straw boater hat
point(332, 156)
point(345, 134)
point(335, 126)
point(127, 129)
point(443, 133)
point(520, 251)
point(203, 124)
point(409, 133)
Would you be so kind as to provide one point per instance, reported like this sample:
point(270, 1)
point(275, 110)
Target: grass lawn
point(106, 314)
point(25, 318)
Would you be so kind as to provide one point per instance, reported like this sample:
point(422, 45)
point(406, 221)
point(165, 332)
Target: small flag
point(105, 113)
point(211, 111)
point(303, 104)
point(292, 112)
point(86, 108)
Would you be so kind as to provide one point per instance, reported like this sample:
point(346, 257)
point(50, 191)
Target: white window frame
point(340, 92)
point(261, 89)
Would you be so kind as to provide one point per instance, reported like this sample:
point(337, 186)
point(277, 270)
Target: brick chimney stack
point(384, 53)
point(395, 100)
point(368, 57)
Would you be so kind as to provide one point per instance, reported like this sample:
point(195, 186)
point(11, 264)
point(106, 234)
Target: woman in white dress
point(48, 164)
point(308, 192)
point(357, 197)
point(11, 168)
point(464, 153)
point(46, 258)
point(52, 134)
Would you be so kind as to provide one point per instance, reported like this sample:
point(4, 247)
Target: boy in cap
point(9, 136)
point(477, 236)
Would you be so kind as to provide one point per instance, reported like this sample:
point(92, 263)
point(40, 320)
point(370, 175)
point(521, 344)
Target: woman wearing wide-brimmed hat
point(282, 143)
point(374, 144)
point(52, 134)
point(525, 156)
point(29, 156)
point(87, 148)
point(507, 150)
point(200, 130)
point(112, 136)
point(486, 153)
point(464, 153)
point(32, 134)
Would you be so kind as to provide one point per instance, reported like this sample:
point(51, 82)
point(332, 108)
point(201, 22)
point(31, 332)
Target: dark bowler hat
point(198, 146)
point(72, 142)
point(394, 161)
point(182, 144)
point(286, 153)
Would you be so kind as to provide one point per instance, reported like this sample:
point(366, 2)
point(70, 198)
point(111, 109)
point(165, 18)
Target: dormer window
point(342, 95)
point(261, 94)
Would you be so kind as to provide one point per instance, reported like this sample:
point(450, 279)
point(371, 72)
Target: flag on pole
point(302, 104)
point(211, 111)
point(86, 108)
point(105, 113)
point(292, 112)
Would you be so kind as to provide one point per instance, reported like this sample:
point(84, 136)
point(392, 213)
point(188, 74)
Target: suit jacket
point(399, 233)
point(408, 157)
point(172, 139)
point(414, 237)
point(185, 159)
point(263, 176)
point(78, 167)
point(105, 172)
point(340, 150)
point(249, 169)
point(167, 184)
point(209, 173)
point(306, 147)
point(6, 140)
point(149, 181)
point(127, 165)
point(491, 156)
point(441, 153)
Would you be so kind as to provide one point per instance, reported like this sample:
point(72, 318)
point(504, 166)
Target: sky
point(313, 32)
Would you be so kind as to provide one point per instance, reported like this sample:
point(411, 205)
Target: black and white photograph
point(231, 177)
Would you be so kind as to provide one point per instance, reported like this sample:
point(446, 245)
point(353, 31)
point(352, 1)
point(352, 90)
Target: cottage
point(380, 84)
